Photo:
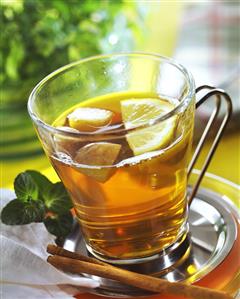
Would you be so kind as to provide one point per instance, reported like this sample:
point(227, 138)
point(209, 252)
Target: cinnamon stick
point(74, 265)
point(53, 249)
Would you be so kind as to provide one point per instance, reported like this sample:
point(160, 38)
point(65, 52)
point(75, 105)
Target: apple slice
point(96, 159)
point(89, 119)
point(66, 144)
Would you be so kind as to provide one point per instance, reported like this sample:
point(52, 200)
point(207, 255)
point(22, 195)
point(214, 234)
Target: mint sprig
point(39, 200)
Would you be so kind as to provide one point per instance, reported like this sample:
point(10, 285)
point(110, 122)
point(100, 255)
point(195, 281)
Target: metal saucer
point(212, 233)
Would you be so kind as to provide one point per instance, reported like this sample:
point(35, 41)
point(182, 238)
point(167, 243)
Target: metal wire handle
point(220, 96)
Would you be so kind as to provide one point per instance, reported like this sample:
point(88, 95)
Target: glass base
point(171, 255)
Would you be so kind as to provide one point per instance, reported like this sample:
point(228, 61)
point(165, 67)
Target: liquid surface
point(129, 190)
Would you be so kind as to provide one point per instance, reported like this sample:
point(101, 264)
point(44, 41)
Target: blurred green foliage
point(38, 36)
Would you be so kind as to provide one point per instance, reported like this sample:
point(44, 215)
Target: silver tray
point(212, 233)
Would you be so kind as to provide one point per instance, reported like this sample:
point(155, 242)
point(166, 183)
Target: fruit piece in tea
point(101, 156)
point(66, 144)
point(89, 119)
point(137, 112)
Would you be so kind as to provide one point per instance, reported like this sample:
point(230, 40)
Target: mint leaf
point(42, 182)
point(17, 212)
point(59, 225)
point(57, 199)
point(25, 187)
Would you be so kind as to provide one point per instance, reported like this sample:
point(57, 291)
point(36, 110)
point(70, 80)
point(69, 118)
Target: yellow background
point(226, 162)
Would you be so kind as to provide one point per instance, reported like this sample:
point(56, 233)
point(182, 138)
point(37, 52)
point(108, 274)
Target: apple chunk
point(66, 144)
point(96, 159)
point(89, 119)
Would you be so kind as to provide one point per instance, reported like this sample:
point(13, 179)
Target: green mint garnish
point(59, 225)
point(39, 200)
point(25, 187)
point(42, 182)
point(17, 212)
point(57, 199)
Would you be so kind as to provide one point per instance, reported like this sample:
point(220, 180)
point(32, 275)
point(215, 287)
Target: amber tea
point(128, 188)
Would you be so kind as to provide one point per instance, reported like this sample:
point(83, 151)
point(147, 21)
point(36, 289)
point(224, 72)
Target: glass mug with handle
point(118, 130)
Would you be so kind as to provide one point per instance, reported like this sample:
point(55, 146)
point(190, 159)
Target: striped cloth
point(209, 46)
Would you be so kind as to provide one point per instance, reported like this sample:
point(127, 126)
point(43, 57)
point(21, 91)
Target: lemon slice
point(98, 155)
point(89, 119)
point(137, 112)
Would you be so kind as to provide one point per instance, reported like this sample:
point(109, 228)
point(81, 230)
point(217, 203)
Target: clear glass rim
point(185, 100)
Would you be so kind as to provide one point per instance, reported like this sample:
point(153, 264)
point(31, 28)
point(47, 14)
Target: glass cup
point(134, 206)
